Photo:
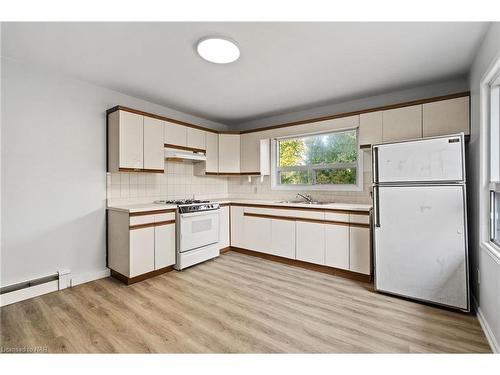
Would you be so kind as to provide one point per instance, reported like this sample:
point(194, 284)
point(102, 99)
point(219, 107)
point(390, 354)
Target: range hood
point(173, 153)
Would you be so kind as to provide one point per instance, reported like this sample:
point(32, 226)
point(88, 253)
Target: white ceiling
point(283, 66)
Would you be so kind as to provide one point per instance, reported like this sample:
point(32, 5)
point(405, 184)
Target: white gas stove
point(197, 231)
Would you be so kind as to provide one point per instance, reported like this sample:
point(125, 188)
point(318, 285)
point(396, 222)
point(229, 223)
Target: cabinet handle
point(375, 164)
point(376, 206)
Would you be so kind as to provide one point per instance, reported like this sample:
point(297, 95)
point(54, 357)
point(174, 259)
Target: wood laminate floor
point(236, 304)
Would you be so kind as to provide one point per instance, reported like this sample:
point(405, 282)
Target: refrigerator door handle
point(375, 164)
point(376, 207)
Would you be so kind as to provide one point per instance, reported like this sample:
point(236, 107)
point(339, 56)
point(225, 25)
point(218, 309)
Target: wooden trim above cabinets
point(310, 266)
point(295, 218)
point(141, 226)
point(139, 170)
point(147, 114)
point(364, 147)
point(263, 216)
point(355, 113)
point(299, 122)
point(144, 276)
point(166, 222)
point(185, 148)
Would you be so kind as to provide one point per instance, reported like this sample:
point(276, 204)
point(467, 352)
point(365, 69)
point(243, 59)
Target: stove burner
point(181, 201)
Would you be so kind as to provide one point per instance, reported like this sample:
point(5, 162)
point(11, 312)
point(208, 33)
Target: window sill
point(492, 249)
point(317, 187)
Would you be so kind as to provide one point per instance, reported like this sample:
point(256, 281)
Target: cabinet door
point(337, 245)
point(142, 251)
point(164, 245)
point(310, 242)
point(257, 233)
point(402, 123)
point(131, 140)
point(212, 153)
point(446, 117)
point(283, 238)
point(229, 153)
point(370, 128)
point(174, 134)
point(224, 227)
point(250, 153)
point(359, 249)
point(196, 138)
point(153, 144)
point(237, 226)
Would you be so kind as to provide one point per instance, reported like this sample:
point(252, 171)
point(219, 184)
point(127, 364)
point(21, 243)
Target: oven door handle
point(202, 213)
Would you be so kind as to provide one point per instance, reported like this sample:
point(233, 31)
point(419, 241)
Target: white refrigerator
point(420, 220)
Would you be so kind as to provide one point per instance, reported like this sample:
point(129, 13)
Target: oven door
point(198, 229)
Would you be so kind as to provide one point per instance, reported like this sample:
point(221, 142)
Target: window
point(326, 161)
point(495, 162)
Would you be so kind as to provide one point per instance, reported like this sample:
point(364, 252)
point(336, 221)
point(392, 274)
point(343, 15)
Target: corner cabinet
point(140, 245)
point(134, 143)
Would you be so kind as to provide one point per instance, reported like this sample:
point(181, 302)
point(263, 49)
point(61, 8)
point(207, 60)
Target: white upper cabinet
point(402, 123)
point(212, 153)
point(446, 117)
point(153, 144)
point(229, 153)
point(250, 152)
point(131, 141)
point(196, 138)
point(175, 134)
point(370, 128)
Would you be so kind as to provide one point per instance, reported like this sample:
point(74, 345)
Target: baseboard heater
point(32, 288)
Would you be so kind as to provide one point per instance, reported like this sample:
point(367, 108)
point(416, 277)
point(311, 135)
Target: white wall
point(458, 84)
point(487, 292)
point(54, 171)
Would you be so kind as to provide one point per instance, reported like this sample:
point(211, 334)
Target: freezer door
point(420, 243)
point(426, 160)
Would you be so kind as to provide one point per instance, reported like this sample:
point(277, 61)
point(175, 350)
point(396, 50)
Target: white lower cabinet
point(224, 227)
point(310, 242)
point(142, 251)
point(237, 227)
point(257, 233)
point(359, 255)
point(164, 246)
point(283, 238)
point(337, 245)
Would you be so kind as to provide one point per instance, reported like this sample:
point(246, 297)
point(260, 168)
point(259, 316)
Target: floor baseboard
point(495, 347)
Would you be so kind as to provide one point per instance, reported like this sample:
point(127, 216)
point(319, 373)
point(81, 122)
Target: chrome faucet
point(307, 197)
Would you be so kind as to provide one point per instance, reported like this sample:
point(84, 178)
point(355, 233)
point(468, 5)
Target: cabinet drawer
point(164, 217)
point(143, 219)
point(336, 216)
point(359, 219)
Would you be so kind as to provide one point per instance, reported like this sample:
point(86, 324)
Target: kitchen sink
point(305, 202)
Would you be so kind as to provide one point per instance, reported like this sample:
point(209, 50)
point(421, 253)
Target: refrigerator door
point(420, 243)
point(426, 160)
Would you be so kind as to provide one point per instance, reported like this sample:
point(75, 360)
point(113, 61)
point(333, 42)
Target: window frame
point(275, 185)
point(494, 156)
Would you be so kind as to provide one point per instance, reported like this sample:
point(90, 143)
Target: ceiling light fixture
point(218, 50)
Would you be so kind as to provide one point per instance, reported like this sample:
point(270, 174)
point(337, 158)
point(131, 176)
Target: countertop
point(331, 206)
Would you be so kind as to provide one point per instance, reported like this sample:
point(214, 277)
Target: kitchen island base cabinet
point(310, 242)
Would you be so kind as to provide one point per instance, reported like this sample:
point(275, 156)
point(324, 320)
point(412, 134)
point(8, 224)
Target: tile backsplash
point(240, 188)
point(178, 182)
